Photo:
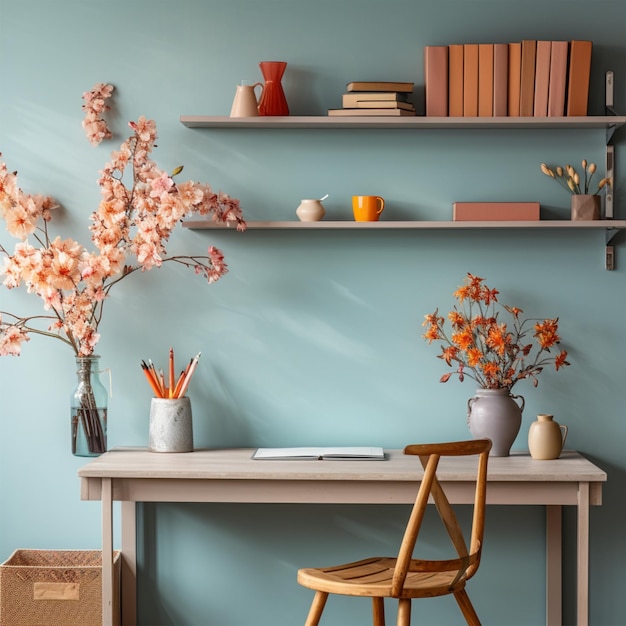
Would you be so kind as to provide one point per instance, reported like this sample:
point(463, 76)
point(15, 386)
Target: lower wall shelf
point(611, 227)
point(414, 224)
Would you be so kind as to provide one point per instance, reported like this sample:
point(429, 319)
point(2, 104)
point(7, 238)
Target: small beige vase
point(546, 438)
point(586, 207)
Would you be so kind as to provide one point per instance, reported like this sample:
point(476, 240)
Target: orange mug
point(367, 208)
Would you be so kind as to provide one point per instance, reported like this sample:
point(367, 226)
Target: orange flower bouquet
point(483, 347)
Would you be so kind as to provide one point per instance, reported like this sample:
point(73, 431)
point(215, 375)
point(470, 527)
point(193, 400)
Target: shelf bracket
point(609, 172)
point(609, 250)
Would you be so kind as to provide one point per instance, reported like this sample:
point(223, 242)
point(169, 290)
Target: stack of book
point(376, 98)
point(527, 78)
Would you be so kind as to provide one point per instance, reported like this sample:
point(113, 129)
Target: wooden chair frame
point(405, 577)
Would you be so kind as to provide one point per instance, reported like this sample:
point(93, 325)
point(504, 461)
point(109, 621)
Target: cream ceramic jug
point(245, 103)
point(546, 438)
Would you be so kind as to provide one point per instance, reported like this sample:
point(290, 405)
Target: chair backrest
point(468, 560)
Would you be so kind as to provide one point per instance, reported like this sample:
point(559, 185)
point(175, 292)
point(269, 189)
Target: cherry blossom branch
point(95, 105)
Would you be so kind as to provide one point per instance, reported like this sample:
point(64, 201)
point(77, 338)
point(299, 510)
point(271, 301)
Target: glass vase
point(89, 409)
point(273, 100)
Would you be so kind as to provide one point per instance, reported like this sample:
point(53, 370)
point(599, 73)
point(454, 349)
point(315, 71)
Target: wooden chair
point(404, 577)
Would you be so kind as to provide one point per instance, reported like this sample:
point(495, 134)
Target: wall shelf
point(417, 122)
point(608, 123)
point(608, 225)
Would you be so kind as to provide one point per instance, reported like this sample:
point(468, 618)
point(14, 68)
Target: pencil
point(171, 394)
point(188, 376)
point(146, 371)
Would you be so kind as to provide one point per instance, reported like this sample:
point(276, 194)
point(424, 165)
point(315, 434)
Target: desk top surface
point(237, 464)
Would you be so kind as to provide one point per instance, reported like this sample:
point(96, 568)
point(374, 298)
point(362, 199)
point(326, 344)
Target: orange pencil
point(179, 385)
point(155, 388)
point(171, 394)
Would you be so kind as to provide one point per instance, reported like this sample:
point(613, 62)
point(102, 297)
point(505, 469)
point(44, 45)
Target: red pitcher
point(273, 101)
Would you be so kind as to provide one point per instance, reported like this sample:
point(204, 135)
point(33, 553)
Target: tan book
point(578, 79)
point(527, 78)
point(558, 78)
point(402, 87)
point(495, 211)
point(455, 80)
point(382, 104)
point(515, 74)
point(372, 112)
point(485, 80)
point(542, 78)
point(470, 80)
point(436, 80)
point(500, 79)
point(352, 99)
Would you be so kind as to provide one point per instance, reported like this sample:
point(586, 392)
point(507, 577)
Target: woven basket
point(55, 588)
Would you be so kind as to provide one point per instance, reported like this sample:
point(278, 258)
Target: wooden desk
point(136, 475)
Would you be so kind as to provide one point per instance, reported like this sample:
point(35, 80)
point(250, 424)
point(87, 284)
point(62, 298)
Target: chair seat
point(373, 577)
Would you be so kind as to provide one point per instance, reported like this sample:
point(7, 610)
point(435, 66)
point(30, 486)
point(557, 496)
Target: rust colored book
point(485, 80)
point(470, 80)
point(370, 112)
point(500, 79)
point(579, 74)
point(515, 76)
point(352, 99)
point(542, 78)
point(402, 87)
point(527, 78)
point(436, 80)
point(455, 80)
point(495, 211)
point(558, 78)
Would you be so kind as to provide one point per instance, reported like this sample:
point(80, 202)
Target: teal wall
point(313, 337)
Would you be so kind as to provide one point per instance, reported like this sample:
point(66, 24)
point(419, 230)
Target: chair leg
point(317, 606)
point(466, 608)
point(378, 611)
point(404, 612)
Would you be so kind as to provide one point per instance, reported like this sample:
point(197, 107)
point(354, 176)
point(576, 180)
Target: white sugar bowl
point(310, 210)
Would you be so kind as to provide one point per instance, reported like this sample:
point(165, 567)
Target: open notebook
point(324, 453)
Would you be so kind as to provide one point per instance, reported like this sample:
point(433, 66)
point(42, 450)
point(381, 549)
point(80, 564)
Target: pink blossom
point(11, 339)
point(130, 228)
point(95, 105)
point(161, 185)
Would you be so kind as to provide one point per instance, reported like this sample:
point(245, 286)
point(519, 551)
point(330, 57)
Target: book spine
point(455, 80)
point(515, 73)
point(352, 99)
point(470, 80)
point(485, 80)
point(500, 79)
point(579, 75)
point(495, 211)
point(558, 78)
point(436, 80)
point(542, 78)
point(527, 82)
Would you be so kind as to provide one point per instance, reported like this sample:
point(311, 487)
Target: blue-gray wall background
point(313, 337)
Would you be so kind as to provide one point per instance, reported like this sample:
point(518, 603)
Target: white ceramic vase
point(495, 414)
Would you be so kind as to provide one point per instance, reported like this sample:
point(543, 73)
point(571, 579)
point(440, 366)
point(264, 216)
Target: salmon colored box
point(495, 211)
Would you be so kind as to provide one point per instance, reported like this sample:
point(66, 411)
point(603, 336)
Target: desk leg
point(129, 564)
point(583, 555)
point(107, 553)
point(554, 566)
